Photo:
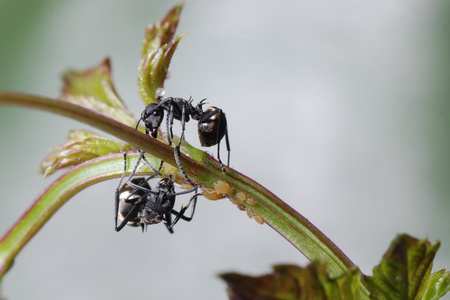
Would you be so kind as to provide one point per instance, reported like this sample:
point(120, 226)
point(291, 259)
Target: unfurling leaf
point(157, 50)
point(293, 282)
point(405, 272)
point(81, 146)
point(154, 69)
point(160, 33)
point(438, 285)
point(94, 89)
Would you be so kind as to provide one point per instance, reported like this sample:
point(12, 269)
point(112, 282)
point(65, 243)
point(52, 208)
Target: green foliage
point(81, 146)
point(156, 53)
point(94, 89)
point(293, 282)
point(404, 273)
point(90, 97)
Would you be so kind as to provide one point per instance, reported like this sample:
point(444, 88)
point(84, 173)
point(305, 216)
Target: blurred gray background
point(341, 108)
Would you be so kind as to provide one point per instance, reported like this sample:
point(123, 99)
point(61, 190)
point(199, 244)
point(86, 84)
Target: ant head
point(152, 117)
point(159, 202)
point(166, 185)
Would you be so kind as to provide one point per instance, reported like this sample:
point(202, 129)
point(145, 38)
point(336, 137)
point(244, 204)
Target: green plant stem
point(205, 171)
point(52, 198)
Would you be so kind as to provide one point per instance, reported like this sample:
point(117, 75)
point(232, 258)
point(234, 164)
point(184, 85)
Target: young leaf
point(293, 282)
point(438, 285)
point(153, 70)
point(404, 272)
point(94, 89)
point(160, 33)
point(157, 50)
point(81, 146)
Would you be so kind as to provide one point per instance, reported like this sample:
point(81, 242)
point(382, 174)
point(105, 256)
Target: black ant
point(212, 124)
point(136, 204)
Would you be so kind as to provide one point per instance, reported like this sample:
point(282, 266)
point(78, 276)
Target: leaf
point(438, 285)
point(153, 70)
point(293, 282)
point(94, 89)
point(81, 146)
point(156, 54)
point(404, 272)
point(160, 33)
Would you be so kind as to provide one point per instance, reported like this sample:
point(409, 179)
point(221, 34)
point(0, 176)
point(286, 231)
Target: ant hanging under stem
point(136, 204)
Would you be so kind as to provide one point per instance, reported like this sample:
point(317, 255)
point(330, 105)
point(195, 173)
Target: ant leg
point(168, 222)
point(140, 186)
point(136, 203)
point(142, 156)
point(176, 150)
point(137, 125)
point(218, 157)
point(116, 207)
point(218, 145)
point(142, 153)
point(228, 146)
point(183, 123)
point(135, 167)
point(176, 154)
point(127, 218)
point(131, 213)
point(169, 124)
point(180, 214)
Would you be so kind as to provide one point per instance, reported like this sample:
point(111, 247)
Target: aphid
point(258, 219)
point(234, 201)
point(212, 124)
point(241, 196)
point(212, 194)
point(249, 212)
point(137, 204)
point(222, 187)
point(241, 206)
point(250, 201)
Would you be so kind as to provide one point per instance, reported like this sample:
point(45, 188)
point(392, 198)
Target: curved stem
point(52, 198)
point(205, 171)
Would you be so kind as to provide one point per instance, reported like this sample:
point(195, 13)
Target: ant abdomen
point(212, 127)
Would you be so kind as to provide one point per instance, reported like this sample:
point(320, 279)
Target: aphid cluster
point(136, 203)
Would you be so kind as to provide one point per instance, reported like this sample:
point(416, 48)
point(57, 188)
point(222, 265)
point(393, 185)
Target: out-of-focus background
point(340, 108)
